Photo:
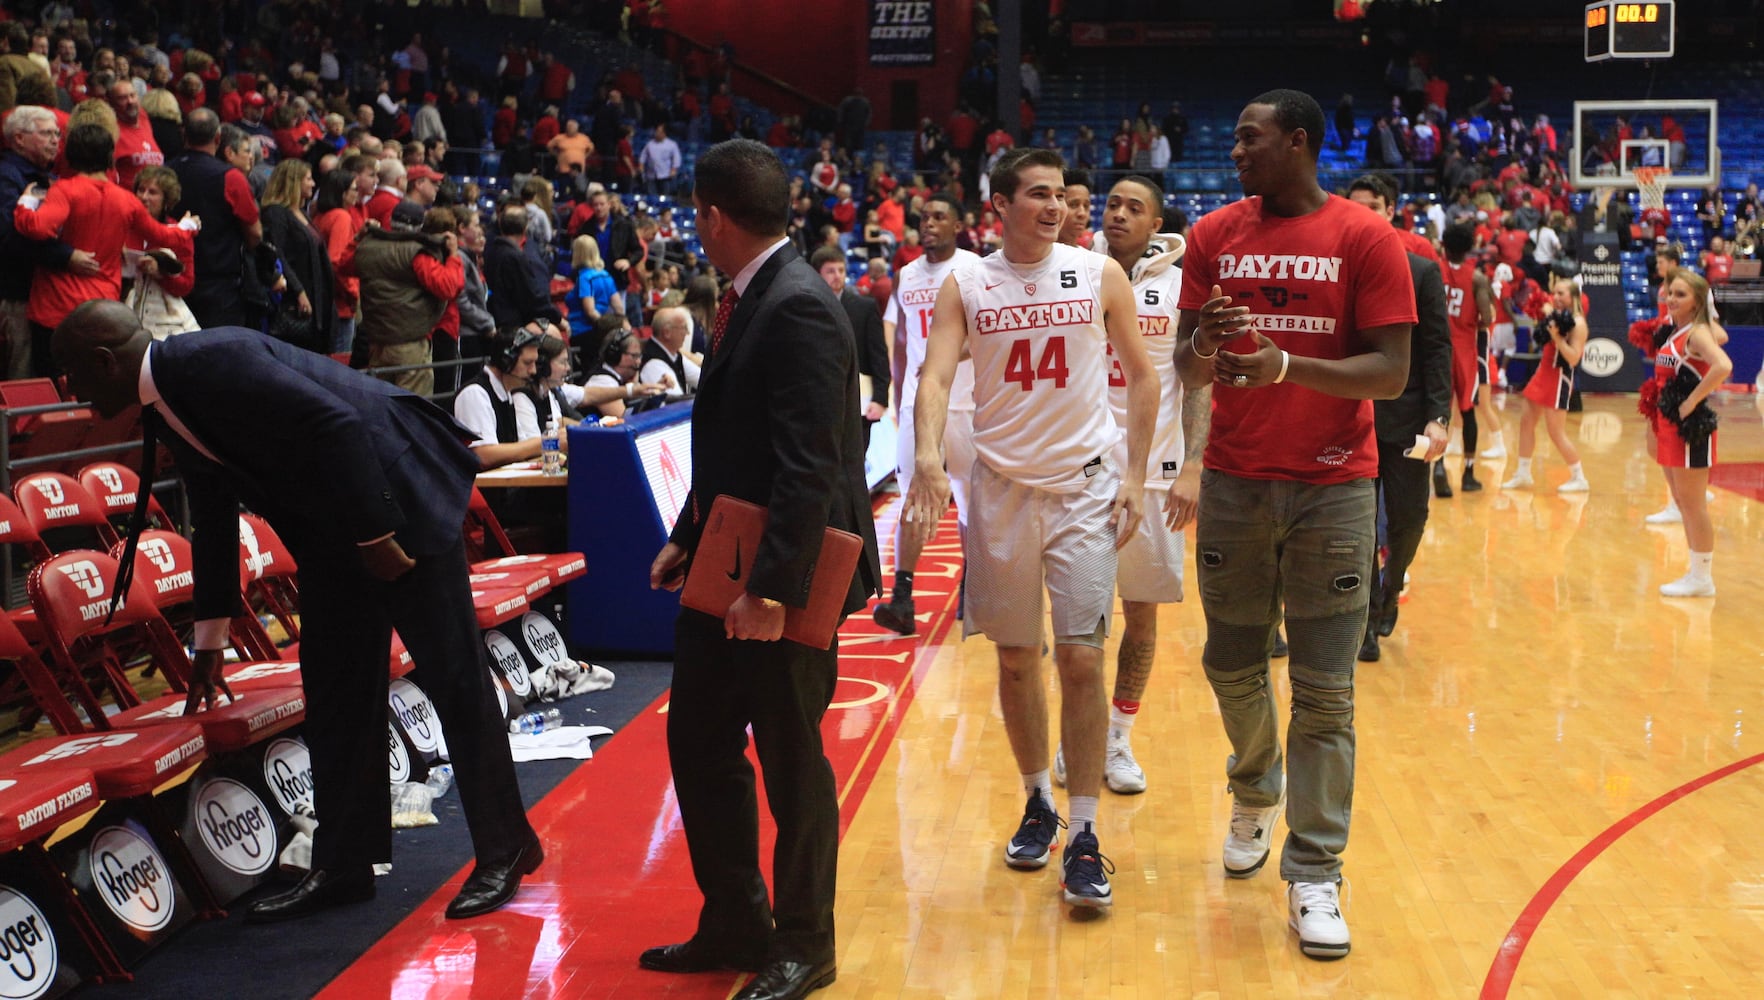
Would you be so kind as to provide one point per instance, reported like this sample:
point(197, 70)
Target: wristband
point(1196, 350)
point(1285, 359)
point(627, 390)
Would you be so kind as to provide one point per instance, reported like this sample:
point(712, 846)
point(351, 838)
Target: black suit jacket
point(872, 345)
point(1428, 394)
point(329, 456)
point(777, 423)
point(520, 291)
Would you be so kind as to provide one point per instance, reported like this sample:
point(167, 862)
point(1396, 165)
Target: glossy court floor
point(1558, 794)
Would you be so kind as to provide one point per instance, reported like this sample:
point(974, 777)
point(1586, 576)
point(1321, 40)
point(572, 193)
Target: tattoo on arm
point(1197, 421)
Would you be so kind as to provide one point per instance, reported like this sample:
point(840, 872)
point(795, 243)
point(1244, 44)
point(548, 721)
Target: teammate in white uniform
point(907, 325)
point(1048, 502)
point(1150, 570)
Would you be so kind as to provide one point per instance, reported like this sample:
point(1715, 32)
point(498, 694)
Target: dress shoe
point(693, 955)
point(1469, 484)
point(1369, 647)
point(1442, 486)
point(321, 889)
point(1387, 619)
point(490, 886)
point(787, 980)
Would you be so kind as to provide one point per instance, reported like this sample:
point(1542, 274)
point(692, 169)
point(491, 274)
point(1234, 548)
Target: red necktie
point(725, 309)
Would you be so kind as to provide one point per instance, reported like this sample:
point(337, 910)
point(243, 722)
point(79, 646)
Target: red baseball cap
point(255, 99)
point(422, 172)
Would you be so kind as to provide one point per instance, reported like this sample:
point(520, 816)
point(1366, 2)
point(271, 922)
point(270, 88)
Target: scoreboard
point(1620, 30)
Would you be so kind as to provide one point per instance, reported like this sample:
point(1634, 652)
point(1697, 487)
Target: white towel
point(561, 743)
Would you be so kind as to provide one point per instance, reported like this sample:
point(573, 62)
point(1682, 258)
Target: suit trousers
point(1403, 491)
point(782, 689)
point(347, 619)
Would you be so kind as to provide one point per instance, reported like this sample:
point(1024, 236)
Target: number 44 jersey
point(1041, 366)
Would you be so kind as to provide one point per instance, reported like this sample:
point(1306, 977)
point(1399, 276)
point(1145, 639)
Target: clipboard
point(724, 559)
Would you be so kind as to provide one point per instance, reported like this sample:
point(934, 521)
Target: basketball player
point(1470, 306)
point(1049, 503)
point(907, 325)
point(1150, 571)
point(1312, 296)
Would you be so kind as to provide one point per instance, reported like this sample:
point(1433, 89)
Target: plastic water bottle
point(551, 452)
point(537, 722)
point(440, 779)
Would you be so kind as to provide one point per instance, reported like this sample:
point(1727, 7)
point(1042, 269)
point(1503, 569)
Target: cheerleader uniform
point(1552, 384)
point(1671, 450)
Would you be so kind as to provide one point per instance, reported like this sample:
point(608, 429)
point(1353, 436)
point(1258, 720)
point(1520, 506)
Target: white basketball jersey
point(909, 309)
point(1157, 280)
point(1041, 367)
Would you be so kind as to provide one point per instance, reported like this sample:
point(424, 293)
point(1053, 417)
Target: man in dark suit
point(367, 484)
point(866, 323)
point(1424, 408)
point(776, 423)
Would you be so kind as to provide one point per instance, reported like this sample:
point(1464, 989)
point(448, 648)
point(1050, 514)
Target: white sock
point(1083, 816)
point(1496, 442)
point(1525, 467)
point(1039, 783)
point(1120, 725)
point(1702, 565)
point(1576, 472)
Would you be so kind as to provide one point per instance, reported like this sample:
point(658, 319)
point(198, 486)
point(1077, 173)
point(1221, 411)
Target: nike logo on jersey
point(994, 285)
point(735, 574)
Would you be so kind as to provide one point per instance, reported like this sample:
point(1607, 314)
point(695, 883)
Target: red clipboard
point(724, 558)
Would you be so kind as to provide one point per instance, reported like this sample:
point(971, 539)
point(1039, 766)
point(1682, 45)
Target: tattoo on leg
point(1133, 665)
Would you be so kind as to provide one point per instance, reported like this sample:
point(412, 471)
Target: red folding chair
point(33, 806)
point(36, 680)
point(115, 487)
point(53, 502)
point(38, 434)
point(490, 545)
point(268, 573)
point(72, 592)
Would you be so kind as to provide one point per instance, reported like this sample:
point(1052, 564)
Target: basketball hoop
point(1650, 183)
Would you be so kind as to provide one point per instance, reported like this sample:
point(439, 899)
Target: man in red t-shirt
point(1296, 308)
point(135, 147)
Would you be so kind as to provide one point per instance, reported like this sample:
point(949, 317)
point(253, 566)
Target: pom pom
point(1649, 403)
point(1641, 336)
point(1696, 428)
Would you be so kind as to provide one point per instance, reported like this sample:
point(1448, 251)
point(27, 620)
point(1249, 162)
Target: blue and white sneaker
point(1036, 836)
point(1086, 876)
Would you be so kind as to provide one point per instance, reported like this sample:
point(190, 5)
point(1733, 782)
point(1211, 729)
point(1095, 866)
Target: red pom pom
point(1648, 405)
point(1641, 334)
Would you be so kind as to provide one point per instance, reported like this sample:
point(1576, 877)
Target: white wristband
point(627, 390)
point(1285, 359)
point(1204, 357)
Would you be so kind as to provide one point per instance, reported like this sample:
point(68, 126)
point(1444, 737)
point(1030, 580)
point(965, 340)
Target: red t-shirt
point(1510, 245)
point(1460, 283)
point(1312, 283)
point(96, 216)
point(1718, 268)
point(135, 149)
point(1415, 243)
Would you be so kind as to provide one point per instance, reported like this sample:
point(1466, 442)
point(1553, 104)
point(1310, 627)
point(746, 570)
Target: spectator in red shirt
point(392, 180)
point(87, 210)
point(546, 128)
point(338, 222)
point(232, 103)
point(506, 121)
point(556, 81)
point(844, 213)
point(135, 147)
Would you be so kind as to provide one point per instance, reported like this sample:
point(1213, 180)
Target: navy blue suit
point(332, 458)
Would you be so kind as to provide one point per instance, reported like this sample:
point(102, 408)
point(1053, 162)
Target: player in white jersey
point(1048, 503)
point(1150, 571)
point(907, 324)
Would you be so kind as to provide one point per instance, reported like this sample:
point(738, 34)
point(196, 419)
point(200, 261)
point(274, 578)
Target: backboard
point(1612, 138)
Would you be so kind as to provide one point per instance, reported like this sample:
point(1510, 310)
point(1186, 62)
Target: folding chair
point(267, 572)
point(40, 683)
point(32, 807)
point(53, 502)
point(72, 592)
point(115, 487)
point(489, 544)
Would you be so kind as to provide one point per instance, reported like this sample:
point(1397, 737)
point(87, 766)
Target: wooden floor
point(1539, 803)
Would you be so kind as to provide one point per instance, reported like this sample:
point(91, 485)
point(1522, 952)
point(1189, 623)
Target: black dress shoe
point(1369, 647)
point(1387, 619)
point(1469, 484)
point(787, 980)
point(694, 955)
point(1442, 486)
point(321, 889)
point(490, 886)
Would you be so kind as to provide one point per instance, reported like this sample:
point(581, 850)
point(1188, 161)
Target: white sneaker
point(1689, 585)
point(1246, 846)
point(1059, 768)
point(1314, 910)
point(1121, 772)
point(1495, 454)
point(1520, 481)
point(1708, 496)
point(1667, 515)
point(1576, 485)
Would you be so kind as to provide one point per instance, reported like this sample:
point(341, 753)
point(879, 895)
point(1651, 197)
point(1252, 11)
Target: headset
point(612, 352)
point(506, 351)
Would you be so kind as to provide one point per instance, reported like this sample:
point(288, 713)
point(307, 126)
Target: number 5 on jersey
point(1052, 364)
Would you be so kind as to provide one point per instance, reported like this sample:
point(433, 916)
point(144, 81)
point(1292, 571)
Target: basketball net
point(1650, 183)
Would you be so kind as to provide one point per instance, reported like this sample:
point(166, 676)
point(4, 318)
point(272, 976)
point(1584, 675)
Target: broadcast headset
point(507, 348)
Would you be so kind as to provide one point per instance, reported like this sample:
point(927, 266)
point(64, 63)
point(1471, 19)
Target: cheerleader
point(1688, 367)
point(1563, 333)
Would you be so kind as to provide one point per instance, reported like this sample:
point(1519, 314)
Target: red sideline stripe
point(1506, 962)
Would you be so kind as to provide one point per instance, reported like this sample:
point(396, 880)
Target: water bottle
point(440, 779)
point(537, 722)
point(551, 452)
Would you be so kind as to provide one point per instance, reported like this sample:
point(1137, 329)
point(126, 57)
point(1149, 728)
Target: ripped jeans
point(1258, 544)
